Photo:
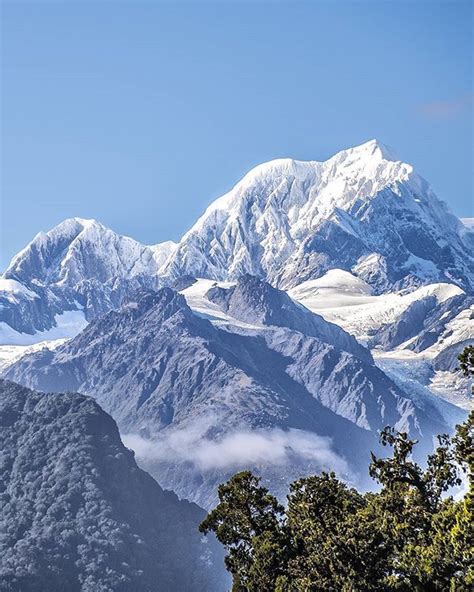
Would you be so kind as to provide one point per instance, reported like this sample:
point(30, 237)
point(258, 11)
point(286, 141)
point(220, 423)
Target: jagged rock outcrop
point(193, 386)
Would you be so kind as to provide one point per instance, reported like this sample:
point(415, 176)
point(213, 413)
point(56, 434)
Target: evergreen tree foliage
point(466, 361)
point(409, 536)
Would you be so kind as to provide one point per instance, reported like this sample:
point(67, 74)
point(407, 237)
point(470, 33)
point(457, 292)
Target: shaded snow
point(9, 354)
point(344, 299)
point(68, 324)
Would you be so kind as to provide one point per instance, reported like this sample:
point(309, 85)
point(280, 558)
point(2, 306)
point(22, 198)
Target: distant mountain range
point(286, 221)
point(307, 308)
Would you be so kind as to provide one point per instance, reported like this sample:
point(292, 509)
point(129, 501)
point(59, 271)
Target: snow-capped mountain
point(363, 221)
point(287, 221)
point(363, 210)
point(222, 377)
point(78, 514)
point(79, 266)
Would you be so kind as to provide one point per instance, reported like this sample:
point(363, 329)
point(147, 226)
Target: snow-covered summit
point(369, 161)
point(370, 150)
point(363, 210)
point(79, 265)
point(79, 249)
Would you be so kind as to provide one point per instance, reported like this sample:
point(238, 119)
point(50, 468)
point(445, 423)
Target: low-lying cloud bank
point(238, 449)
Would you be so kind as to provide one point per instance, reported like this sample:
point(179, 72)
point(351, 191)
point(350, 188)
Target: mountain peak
point(69, 227)
point(84, 222)
point(371, 160)
point(290, 221)
point(372, 149)
point(79, 249)
point(375, 149)
point(287, 221)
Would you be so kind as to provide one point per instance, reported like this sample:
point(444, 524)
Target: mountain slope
point(195, 392)
point(78, 514)
point(254, 301)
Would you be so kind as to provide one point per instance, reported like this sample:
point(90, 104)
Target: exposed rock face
point(253, 301)
point(76, 512)
point(194, 387)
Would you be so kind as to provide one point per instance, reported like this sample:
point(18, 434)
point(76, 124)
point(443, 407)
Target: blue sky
point(139, 114)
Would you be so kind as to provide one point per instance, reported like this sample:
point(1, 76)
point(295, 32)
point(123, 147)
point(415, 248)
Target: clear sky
point(139, 114)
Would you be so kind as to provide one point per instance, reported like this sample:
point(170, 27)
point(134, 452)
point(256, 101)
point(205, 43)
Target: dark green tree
point(330, 545)
point(406, 508)
point(466, 361)
point(248, 522)
point(409, 536)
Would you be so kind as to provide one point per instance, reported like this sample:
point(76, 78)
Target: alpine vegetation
point(76, 512)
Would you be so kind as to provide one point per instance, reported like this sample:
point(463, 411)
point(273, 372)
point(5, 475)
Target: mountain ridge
point(78, 513)
point(285, 221)
point(288, 222)
point(194, 386)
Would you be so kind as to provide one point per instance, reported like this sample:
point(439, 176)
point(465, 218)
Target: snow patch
point(10, 354)
point(15, 287)
point(68, 325)
point(196, 299)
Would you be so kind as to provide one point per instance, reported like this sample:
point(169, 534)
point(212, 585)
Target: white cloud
point(238, 449)
point(448, 109)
